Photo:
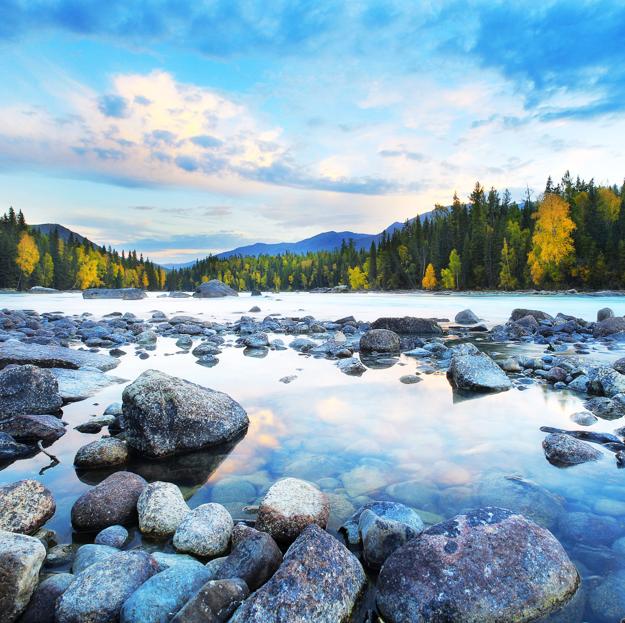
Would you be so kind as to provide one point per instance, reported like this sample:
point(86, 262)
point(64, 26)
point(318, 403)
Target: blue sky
point(181, 128)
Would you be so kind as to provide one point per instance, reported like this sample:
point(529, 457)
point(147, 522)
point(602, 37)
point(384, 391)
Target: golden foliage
point(429, 281)
point(27, 254)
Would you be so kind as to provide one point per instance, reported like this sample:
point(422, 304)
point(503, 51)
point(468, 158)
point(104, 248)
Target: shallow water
point(327, 425)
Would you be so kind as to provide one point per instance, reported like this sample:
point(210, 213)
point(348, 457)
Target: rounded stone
point(161, 508)
point(289, 507)
point(25, 506)
point(562, 450)
point(590, 529)
point(584, 418)
point(113, 536)
point(604, 314)
point(102, 453)
point(466, 316)
point(33, 427)
point(205, 531)
point(89, 554)
point(380, 340)
point(41, 605)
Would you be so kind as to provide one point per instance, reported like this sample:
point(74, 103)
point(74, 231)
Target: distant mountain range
point(64, 233)
point(326, 241)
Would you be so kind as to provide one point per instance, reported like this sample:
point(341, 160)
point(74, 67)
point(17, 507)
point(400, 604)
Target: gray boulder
point(104, 452)
point(605, 408)
point(205, 531)
point(604, 314)
point(89, 554)
point(33, 427)
point(606, 381)
point(127, 294)
point(164, 415)
point(113, 536)
point(584, 418)
point(409, 324)
point(21, 558)
point(25, 506)
point(609, 326)
point(213, 289)
point(75, 385)
point(98, 594)
point(517, 314)
point(11, 449)
point(380, 340)
point(478, 373)
point(214, 602)
point(257, 340)
point(112, 502)
point(351, 366)
point(487, 565)
point(466, 316)
point(562, 450)
point(319, 580)
point(161, 508)
point(28, 389)
point(41, 606)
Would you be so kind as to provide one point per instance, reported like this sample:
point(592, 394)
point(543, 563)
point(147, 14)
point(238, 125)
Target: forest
point(571, 235)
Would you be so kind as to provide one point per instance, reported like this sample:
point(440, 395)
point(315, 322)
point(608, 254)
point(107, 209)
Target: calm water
point(355, 436)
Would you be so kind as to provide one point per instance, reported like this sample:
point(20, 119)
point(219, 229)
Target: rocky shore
point(495, 559)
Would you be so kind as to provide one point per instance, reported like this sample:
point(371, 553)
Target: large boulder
point(606, 381)
point(487, 565)
point(288, 507)
point(466, 316)
point(213, 289)
point(609, 326)
point(127, 294)
point(518, 313)
point(33, 427)
point(164, 415)
point(563, 450)
point(478, 373)
point(91, 554)
point(25, 506)
point(112, 502)
point(98, 593)
point(604, 314)
point(214, 602)
point(21, 558)
point(319, 580)
point(409, 324)
point(28, 390)
point(161, 508)
point(380, 340)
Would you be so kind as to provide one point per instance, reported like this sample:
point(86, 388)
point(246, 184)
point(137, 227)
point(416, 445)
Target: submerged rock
point(563, 450)
point(489, 564)
point(164, 415)
point(75, 385)
point(127, 294)
point(477, 373)
point(28, 390)
point(25, 506)
point(590, 529)
point(213, 289)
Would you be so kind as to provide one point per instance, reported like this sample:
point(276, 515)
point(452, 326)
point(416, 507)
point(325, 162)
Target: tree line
point(570, 235)
point(30, 258)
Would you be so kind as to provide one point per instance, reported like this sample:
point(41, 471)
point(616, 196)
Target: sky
point(181, 128)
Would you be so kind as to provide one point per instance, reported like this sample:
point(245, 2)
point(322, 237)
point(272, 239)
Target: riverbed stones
point(583, 418)
point(489, 564)
point(319, 580)
point(25, 506)
point(477, 373)
point(563, 450)
point(33, 427)
point(76, 385)
point(364, 479)
point(165, 415)
point(409, 325)
point(466, 316)
point(164, 594)
point(113, 536)
point(213, 289)
point(98, 594)
point(89, 554)
point(380, 340)
point(41, 606)
point(256, 340)
point(351, 366)
point(161, 508)
point(11, 449)
point(519, 313)
point(21, 558)
point(205, 531)
point(104, 452)
point(126, 294)
point(214, 602)
point(288, 507)
point(29, 390)
point(254, 560)
point(604, 314)
point(112, 502)
point(590, 529)
point(609, 326)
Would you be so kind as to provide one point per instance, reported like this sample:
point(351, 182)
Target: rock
point(213, 289)
point(562, 450)
point(164, 594)
point(127, 294)
point(206, 348)
point(607, 506)
point(11, 449)
point(605, 408)
point(257, 340)
point(25, 506)
point(521, 496)
point(255, 309)
point(606, 381)
point(319, 580)
point(607, 599)
point(112, 502)
point(89, 554)
point(619, 365)
point(164, 415)
point(466, 316)
point(185, 342)
point(161, 508)
point(21, 558)
point(351, 366)
point(364, 479)
point(288, 507)
point(28, 390)
point(41, 606)
point(410, 379)
point(33, 427)
point(609, 326)
point(511, 365)
point(583, 418)
point(102, 453)
point(98, 594)
point(410, 325)
point(115, 409)
point(590, 529)
point(165, 561)
point(113, 536)
point(53, 357)
point(487, 565)
point(75, 385)
point(557, 375)
point(205, 531)
point(179, 295)
point(254, 560)
point(478, 373)
point(89, 427)
point(380, 340)
point(214, 602)
point(61, 555)
point(287, 379)
point(517, 314)
point(604, 314)
point(42, 290)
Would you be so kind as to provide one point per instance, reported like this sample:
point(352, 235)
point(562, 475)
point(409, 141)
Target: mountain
point(64, 233)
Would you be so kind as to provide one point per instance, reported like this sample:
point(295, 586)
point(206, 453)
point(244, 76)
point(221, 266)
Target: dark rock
point(605, 408)
point(319, 580)
point(29, 390)
point(466, 316)
point(33, 427)
point(25, 506)
point(213, 289)
point(127, 294)
point(590, 529)
point(102, 453)
point(619, 365)
point(609, 326)
point(563, 450)
point(477, 373)
point(604, 314)
point(380, 340)
point(489, 564)
point(214, 602)
point(112, 502)
point(557, 375)
point(89, 427)
point(98, 594)
point(538, 315)
point(409, 324)
point(41, 606)
point(11, 449)
point(164, 415)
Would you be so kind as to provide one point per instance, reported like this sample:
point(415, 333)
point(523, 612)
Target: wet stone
point(32, 427)
point(113, 536)
point(102, 453)
point(205, 531)
point(161, 508)
point(41, 606)
point(25, 506)
point(563, 450)
point(214, 602)
point(89, 554)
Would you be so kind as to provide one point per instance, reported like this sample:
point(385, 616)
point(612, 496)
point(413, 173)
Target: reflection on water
point(359, 438)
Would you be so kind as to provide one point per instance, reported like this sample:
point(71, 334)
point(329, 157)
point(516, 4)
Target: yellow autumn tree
point(609, 206)
point(429, 281)
point(357, 279)
point(552, 244)
point(27, 254)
